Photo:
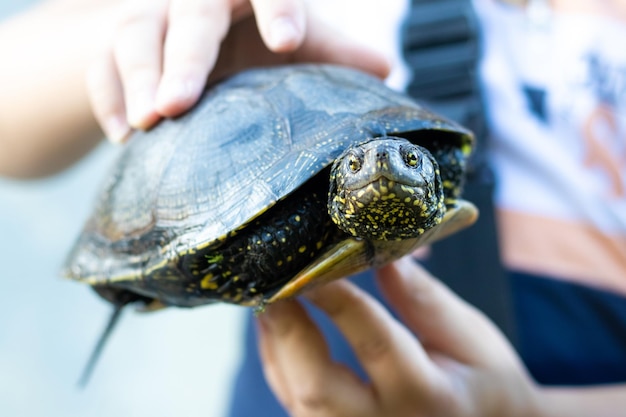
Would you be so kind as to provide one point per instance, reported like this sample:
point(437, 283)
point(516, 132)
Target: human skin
point(46, 120)
point(135, 89)
point(461, 365)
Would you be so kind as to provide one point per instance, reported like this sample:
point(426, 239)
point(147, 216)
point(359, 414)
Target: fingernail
point(140, 108)
point(116, 128)
point(175, 90)
point(282, 33)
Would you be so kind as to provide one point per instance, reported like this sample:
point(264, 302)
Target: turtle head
point(386, 189)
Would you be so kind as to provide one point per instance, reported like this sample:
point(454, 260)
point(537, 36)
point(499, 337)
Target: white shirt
point(556, 93)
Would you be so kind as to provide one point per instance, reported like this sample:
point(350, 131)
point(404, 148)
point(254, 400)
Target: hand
point(460, 366)
point(162, 52)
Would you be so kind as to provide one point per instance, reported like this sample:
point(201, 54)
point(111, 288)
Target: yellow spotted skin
point(386, 189)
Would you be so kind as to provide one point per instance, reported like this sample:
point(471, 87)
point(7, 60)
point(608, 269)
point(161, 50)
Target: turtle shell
point(250, 142)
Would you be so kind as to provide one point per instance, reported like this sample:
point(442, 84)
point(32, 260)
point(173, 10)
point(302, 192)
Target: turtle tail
point(104, 337)
point(120, 298)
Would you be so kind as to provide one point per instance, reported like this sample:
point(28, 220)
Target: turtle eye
point(354, 163)
point(411, 158)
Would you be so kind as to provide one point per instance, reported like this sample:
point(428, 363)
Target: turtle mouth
point(383, 188)
point(385, 178)
point(385, 184)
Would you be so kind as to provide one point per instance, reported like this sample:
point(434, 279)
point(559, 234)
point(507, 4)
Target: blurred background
point(174, 362)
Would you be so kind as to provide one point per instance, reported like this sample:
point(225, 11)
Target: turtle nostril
point(382, 155)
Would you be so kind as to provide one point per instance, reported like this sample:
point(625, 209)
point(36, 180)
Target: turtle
point(280, 178)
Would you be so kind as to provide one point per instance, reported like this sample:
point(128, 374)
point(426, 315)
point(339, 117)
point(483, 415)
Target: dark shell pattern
point(251, 141)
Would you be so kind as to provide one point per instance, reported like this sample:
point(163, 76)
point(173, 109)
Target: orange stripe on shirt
point(563, 249)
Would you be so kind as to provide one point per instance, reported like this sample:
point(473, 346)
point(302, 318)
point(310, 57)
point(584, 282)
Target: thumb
point(444, 322)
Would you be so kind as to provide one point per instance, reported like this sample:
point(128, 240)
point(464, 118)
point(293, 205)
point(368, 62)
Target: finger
point(443, 321)
point(297, 363)
point(281, 23)
point(107, 98)
point(390, 354)
point(322, 43)
point(271, 370)
point(137, 52)
point(195, 31)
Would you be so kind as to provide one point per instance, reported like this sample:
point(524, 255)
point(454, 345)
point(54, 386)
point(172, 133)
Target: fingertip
point(141, 111)
point(281, 23)
point(377, 64)
point(280, 317)
point(175, 96)
point(116, 129)
point(284, 34)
